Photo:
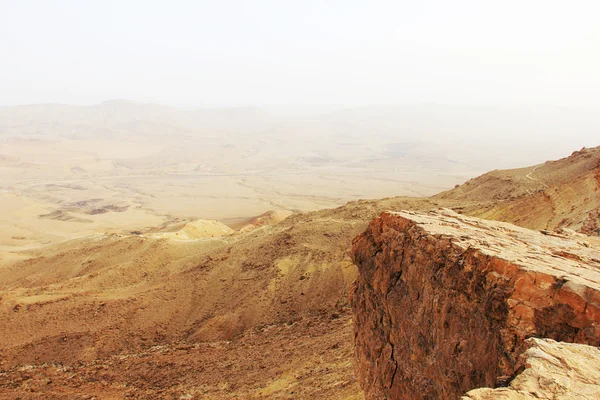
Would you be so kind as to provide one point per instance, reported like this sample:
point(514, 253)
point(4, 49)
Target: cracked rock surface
point(552, 370)
point(444, 303)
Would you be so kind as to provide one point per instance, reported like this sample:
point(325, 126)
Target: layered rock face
point(444, 303)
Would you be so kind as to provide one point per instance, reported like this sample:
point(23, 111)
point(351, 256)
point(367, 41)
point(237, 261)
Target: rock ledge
point(444, 303)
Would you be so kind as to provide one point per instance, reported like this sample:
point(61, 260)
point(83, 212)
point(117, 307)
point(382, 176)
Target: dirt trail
point(532, 178)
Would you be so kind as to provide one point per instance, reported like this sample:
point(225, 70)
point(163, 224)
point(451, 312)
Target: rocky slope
point(443, 303)
point(557, 194)
point(115, 311)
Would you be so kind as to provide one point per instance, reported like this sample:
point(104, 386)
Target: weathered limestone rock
point(552, 370)
point(443, 302)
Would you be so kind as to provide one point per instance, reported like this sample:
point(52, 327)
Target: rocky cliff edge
point(445, 303)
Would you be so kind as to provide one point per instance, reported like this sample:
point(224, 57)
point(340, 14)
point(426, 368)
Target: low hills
point(200, 229)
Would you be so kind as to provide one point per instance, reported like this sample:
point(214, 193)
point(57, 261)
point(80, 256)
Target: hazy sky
point(278, 52)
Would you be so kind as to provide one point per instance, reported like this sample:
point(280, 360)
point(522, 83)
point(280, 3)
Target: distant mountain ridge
point(119, 115)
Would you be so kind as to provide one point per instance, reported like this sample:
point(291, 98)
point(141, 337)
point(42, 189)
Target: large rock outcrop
point(444, 303)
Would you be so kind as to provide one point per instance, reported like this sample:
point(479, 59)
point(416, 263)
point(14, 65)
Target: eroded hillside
point(279, 291)
point(556, 194)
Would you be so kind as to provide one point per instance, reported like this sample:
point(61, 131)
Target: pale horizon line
point(308, 106)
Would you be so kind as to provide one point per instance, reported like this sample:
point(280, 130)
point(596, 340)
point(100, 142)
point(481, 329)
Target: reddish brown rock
point(444, 303)
point(591, 225)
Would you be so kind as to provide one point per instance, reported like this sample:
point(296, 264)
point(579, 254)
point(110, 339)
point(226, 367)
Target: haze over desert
point(301, 200)
point(119, 166)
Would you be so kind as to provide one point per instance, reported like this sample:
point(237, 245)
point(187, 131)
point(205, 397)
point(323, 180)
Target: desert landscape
point(299, 200)
point(73, 171)
point(119, 280)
